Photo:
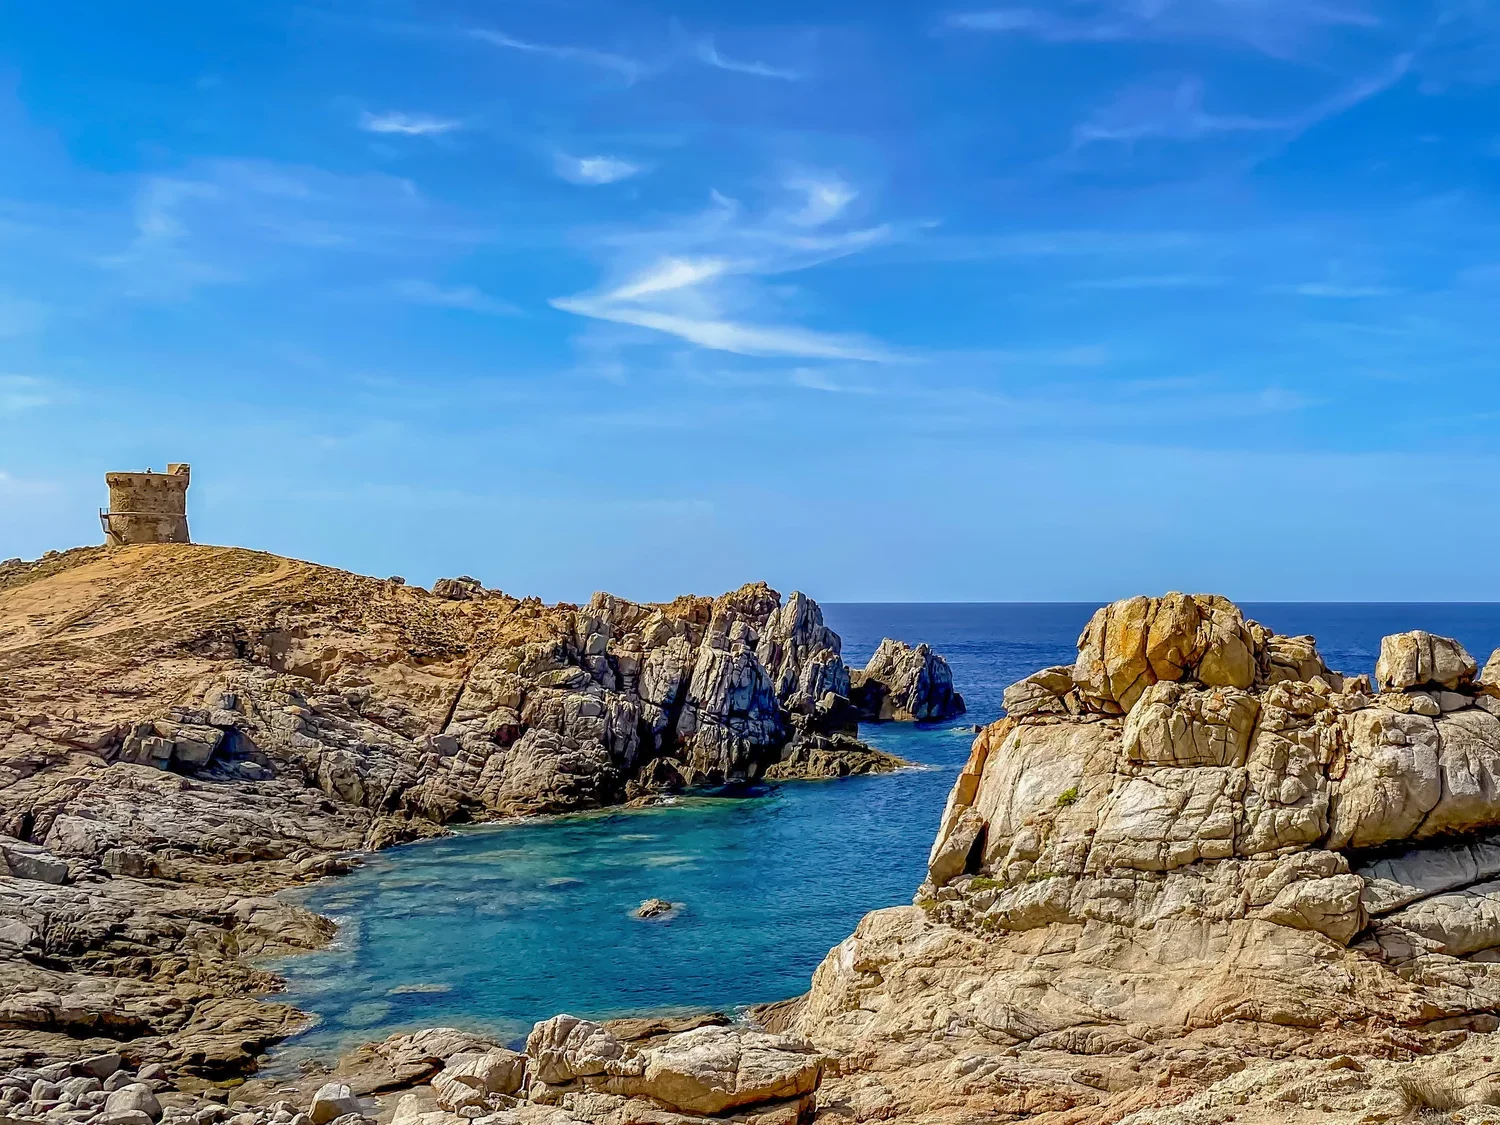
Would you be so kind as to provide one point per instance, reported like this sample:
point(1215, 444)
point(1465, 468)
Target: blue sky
point(1057, 300)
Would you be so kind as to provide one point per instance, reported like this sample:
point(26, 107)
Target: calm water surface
point(499, 926)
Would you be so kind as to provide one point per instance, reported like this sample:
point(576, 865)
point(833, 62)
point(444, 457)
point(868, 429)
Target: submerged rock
point(654, 908)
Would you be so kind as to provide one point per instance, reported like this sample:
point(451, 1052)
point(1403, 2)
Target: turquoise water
point(498, 926)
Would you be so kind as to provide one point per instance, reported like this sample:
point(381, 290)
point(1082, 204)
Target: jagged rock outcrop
point(905, 684)
point(240, 667)
point(186, 728)
point(1195, 848)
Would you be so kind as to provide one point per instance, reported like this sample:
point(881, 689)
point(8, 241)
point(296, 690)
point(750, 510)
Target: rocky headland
point(185, 730)
point(1195, 876)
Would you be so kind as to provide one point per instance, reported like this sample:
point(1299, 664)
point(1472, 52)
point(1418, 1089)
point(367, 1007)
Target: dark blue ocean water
point(501, 925)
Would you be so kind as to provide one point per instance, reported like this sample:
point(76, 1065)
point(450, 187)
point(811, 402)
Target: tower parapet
point(147, 507)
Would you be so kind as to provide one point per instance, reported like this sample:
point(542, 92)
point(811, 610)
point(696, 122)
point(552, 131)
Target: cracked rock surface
point(1195, 876)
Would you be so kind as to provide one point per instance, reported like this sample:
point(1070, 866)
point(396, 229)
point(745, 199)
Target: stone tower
point(147, 507)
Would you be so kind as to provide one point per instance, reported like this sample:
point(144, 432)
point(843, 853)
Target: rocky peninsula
point(185, 730)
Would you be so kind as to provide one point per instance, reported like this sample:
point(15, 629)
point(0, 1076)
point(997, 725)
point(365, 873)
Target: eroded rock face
point(905, 684)
point(1195, 835)
point(186, 729)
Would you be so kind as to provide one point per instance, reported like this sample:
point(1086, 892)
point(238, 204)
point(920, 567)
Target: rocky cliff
point(1196, 869)
point(185, 730)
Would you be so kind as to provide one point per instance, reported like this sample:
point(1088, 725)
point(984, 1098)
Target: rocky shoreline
point(186, 730)
point(1194, 877)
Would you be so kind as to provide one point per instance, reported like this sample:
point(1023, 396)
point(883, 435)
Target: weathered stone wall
point(147, 507)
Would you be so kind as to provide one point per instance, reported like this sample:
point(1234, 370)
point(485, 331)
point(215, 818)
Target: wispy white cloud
point(1333, 290)
point(1279, 28)
point(632, 68)
point(822, 379)
point(1079, 243)
point(1172, 112)
point(226, 222)
point(16, 488)
point(419, 291)
point(594, 170)
point(699, 278)
point(826, 198)
point(707, 53)
point(733, 336)
point(408, 124)
point(25, 392)
point(21, 316)
point(628, 68)
point(667, 275)
point(1152, 281)
point(1175, 111)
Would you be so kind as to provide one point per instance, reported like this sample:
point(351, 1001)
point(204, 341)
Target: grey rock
point(101, 1066)
point(136, 1097)
point(71, 1089)
point(460, 589)
point(21, 860)
point(125, 1117)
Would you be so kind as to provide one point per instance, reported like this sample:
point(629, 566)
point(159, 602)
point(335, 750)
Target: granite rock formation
point(905, 684)
point(1195, 868)
point(572, 1072)
point(185, 730)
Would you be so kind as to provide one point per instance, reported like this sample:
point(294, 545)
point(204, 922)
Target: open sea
point(498, 926)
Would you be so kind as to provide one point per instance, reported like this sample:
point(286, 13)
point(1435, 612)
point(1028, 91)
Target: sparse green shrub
point(1067, 797)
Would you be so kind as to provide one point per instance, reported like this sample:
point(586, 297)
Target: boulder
point(102, 1066)
point(134, 1098)
point(21, 860)
point(460, 589)
point(1419, 659)
point(496, 1071)
point(1130, 645)
point(565, 1048)
point(332, 1101)
point(654, 908)
point(715, 1069)
point(1488, 679)
point(125, 1117)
